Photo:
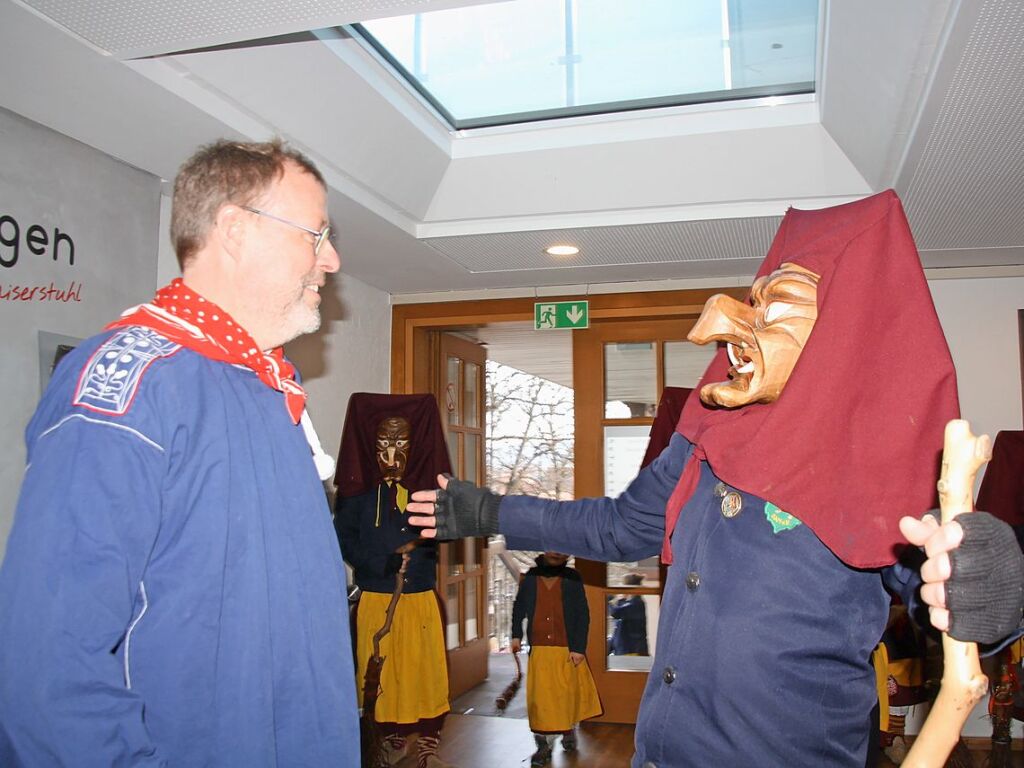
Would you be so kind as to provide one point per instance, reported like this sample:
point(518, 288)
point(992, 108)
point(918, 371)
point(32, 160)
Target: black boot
point(569, 740)
point(543, 753)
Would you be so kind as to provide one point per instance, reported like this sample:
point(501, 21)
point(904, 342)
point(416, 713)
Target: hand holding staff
point(963, 684)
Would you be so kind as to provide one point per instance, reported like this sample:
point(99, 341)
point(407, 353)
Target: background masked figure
point(819, 424)
point(391, 445)
point(560, 690)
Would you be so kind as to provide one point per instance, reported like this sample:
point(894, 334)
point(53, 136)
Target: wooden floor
point(470, 741)
point(477, 735)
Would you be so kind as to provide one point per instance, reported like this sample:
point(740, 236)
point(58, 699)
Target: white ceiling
point(925, 96)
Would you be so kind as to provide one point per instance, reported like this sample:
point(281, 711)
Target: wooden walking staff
point(369, 732)
point(963, 684)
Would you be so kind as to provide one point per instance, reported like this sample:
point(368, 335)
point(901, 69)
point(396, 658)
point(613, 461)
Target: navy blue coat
point(369, 536)
point(764, 638)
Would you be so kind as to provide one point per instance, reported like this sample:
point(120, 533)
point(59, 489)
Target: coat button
point(668, 675)
point(649, 764)
point(721, 489)
point(692, 580)
point(732, 503)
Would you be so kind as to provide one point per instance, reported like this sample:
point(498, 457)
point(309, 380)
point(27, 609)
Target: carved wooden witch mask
point(392, 447)
point(764, 339)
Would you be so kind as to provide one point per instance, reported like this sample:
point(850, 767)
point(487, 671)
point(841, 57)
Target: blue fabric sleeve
point(904, 579)
point(628, 528)
point(70, 588)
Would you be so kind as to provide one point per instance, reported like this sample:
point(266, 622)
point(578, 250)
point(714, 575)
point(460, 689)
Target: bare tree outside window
point(529, 434)
point(530, 438)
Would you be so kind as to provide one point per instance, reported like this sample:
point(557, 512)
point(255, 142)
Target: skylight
point(511, 62)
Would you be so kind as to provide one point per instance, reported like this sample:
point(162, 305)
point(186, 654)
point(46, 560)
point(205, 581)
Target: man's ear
point(229, 228)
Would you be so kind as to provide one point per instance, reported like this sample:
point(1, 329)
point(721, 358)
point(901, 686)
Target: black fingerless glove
point(463, 510)
point(985, 591)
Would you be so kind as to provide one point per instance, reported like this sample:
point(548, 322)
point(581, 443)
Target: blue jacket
point(172, 593)
point(764, 639)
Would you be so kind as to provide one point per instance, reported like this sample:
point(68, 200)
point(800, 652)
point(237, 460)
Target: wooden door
point(462, 567)
point(620, 369)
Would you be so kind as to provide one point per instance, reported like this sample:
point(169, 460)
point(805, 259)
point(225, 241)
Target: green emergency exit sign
point(561, 314)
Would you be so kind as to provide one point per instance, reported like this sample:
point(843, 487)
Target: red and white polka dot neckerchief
point(183, 316)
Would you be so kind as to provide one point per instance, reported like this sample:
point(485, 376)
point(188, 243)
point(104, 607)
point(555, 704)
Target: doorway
point(623, 325)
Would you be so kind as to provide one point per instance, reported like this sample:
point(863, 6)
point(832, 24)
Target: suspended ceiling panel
point(878, 56)
point(965, 183)
point(133, 28)
point(635, 246)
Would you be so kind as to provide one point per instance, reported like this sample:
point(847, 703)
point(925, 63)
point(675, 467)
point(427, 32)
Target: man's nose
point(329, 259)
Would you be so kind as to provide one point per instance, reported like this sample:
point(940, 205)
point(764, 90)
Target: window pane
point(471, 466)
point(452, 608)
point(469, 558)
point(576, 56)
point(453, 452)
point(632, 629)
point(624, 448)
point(685, 362)
point(630, 380)
point(452, 390)
point(472, 416)
point(455, 558)
point(641, 573)
point(471, 610)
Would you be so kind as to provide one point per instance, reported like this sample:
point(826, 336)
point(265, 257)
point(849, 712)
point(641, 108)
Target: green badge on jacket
point(781, 521)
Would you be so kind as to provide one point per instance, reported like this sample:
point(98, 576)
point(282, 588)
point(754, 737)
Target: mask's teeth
point(732, 355)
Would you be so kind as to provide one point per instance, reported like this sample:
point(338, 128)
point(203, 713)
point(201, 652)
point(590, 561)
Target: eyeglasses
point(320, 236)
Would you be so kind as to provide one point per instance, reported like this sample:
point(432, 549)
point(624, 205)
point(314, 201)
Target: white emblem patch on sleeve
point(111, 377)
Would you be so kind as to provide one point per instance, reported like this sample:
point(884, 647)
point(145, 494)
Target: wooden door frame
point(414, 345)
point(411, 323)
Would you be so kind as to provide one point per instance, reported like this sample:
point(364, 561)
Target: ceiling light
point(562, 250)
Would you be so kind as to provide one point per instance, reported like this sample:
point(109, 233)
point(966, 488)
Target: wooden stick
point(510, 690)
point(963, 684)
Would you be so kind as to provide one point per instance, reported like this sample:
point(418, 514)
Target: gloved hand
point(462, 510)
point(985, 590)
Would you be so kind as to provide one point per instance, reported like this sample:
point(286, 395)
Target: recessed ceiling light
point(562, 250)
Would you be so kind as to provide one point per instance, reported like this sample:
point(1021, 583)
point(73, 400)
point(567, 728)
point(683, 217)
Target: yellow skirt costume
point(558, 693)
point(414, 681)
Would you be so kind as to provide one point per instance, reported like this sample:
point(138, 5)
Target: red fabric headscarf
point(665, 420)
point(358, 470)
point(1002, 488)
point(854, 441)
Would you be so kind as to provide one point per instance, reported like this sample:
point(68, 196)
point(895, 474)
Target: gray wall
point(110, 212)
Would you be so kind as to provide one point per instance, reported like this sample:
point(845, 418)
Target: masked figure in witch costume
point(391, 445)
point(819, 424)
